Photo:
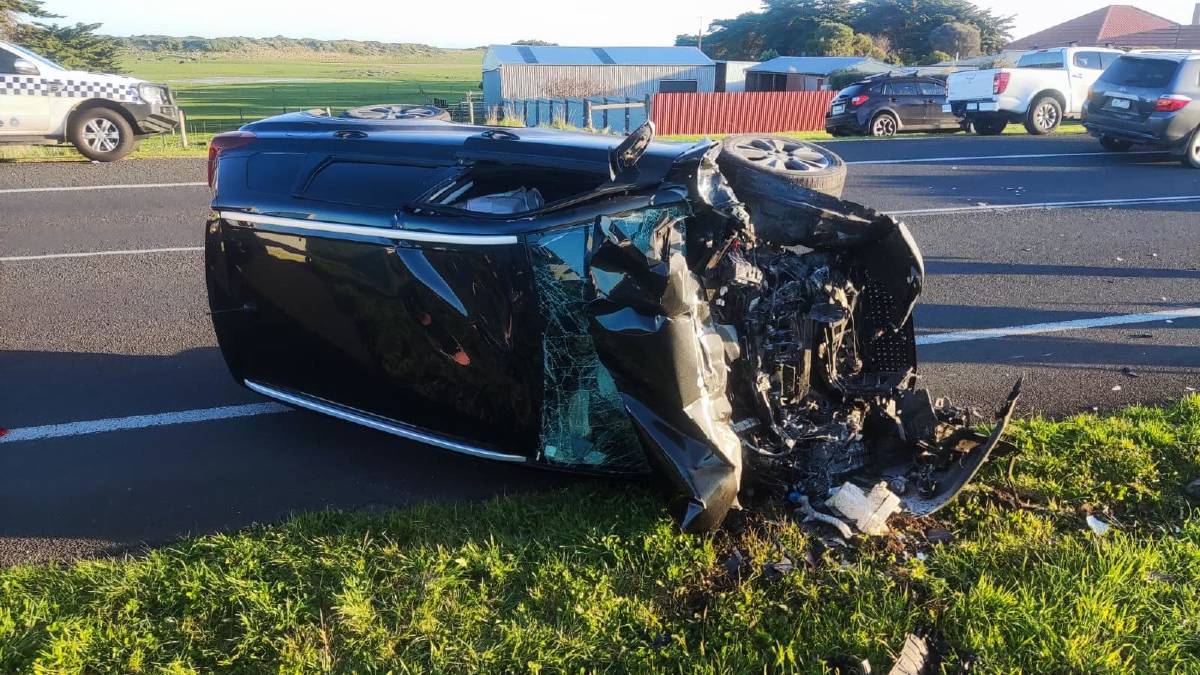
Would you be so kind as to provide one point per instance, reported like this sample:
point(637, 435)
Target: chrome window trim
point(379, 423)
point(367, 231)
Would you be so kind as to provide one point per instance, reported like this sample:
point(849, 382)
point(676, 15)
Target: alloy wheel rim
point(884, 126)
point(101, 135)
point(1046, 116)
point(783, 155)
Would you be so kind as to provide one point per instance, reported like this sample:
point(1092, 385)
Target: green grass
point(596, 578)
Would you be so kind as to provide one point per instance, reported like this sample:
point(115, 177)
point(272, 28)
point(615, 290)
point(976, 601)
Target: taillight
point(1171, 103)
point(1000, 82)
point(859, 100)
point(222, 142)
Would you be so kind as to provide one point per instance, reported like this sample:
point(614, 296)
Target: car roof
point(1165, 54)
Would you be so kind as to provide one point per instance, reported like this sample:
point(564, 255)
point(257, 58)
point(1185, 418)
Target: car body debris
point(716, 313)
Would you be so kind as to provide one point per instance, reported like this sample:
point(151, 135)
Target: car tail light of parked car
point(859, 100)
point(222, 142)
point(1172, 103)
point(1000, 82)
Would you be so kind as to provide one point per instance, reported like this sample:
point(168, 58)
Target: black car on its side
point(712, 313)
point(1148, 98)
point(887, 105)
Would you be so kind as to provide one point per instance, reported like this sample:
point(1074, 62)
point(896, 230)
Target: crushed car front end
point(586, 303)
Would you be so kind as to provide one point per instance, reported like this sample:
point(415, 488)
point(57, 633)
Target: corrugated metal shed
point(498, 55)
point(818, 65)
point(518, 72)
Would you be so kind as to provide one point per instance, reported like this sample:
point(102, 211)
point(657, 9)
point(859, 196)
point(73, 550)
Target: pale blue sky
point(465, 23)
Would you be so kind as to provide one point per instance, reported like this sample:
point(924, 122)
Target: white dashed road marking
point(256, 409)
point(1039, 328)
point(140, 422)
point(93, 254)
point(82, 188)
point(968, 158)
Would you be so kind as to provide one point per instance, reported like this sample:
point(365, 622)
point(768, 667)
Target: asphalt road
point(110, 336)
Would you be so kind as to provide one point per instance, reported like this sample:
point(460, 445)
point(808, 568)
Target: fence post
point(183, 128)
point(647, 106)
point(537, 112)
point(627, 99)
point(470, 108)
point(587, 114)
point(605, 117)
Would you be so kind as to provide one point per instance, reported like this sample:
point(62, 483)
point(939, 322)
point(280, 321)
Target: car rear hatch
point(842, 103)
point(1126, 94)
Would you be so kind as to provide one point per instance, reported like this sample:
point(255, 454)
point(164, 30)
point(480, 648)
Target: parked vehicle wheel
point(1191, 154)
point(1044, 116)
point(885, 124)
point(398, 112)
point(101, 134)
point(1115, 144)
point(767, 163)
point(990, 126)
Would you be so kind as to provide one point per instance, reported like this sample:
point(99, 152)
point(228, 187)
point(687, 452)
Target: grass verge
point(171, 146)
point(596, 578)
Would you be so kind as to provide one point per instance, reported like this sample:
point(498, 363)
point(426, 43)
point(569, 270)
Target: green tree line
point(77, 46)
point(900, 31)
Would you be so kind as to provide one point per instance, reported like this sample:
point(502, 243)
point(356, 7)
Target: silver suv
point(1149, 98)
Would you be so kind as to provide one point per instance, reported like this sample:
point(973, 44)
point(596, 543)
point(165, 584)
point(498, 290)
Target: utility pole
point(700, 34)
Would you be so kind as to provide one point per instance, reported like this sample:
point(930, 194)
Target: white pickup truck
point(1047, 86)
point(43, 103)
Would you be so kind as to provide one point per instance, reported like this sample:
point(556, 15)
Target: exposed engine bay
point(776, 355)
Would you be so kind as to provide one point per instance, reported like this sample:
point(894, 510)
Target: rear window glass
point(901, 89)
point(1088, 60)
point(932, 89)
point(852, 90)
point(1042, 60)
point(1141, 72)
point(373, 184)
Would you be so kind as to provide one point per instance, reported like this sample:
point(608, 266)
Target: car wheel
point(885, 124)
point(1115, 144)
point(766, 163)
point(1191, 154)
point(1044, 116)
point(425, 113)
point(101, 134)
point(773, 175)
point(990, 126)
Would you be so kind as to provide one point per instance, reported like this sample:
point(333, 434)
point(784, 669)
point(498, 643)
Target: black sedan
point(887, 105)
point(583, 302)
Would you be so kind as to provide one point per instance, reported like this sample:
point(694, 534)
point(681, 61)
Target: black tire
point(989, 126)
point(1191, 151)
point(777, 163)
point(1115, 144)
point(775, 176)
point(884, 124)
point(1044, 116)
point(389, 111)
point(101, 134)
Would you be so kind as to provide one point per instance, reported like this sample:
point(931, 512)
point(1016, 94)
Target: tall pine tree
point(77, 46)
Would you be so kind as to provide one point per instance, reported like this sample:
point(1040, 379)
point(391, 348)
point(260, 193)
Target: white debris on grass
point(868, 511)
point(1098, 527)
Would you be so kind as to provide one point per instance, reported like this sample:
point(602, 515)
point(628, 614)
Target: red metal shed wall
point(741, 112)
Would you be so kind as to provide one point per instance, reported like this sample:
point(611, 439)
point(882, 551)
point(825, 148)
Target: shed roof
point(498, 55)
point(1096, 28)
point(819, 65)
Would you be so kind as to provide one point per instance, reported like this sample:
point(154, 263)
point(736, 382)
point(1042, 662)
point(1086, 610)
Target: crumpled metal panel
point(583, 419)
point(654, 332)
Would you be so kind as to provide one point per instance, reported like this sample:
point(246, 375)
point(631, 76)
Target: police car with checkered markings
point(43, 103)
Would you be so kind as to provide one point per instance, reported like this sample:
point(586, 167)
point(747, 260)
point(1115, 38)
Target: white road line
point(140, 422)
point(81, 188)
point(255, 409)
point(968, 158)
point(92, 254)
point(1091, 203)
point(1077, 324)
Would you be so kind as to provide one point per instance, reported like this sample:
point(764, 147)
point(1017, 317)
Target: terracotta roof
point(1096, 28)
point(1179, 37)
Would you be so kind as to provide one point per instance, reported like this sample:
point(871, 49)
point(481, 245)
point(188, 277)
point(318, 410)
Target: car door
point(905, 98)
point(934, 93)
point(24, 100)
point(1086, 67)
